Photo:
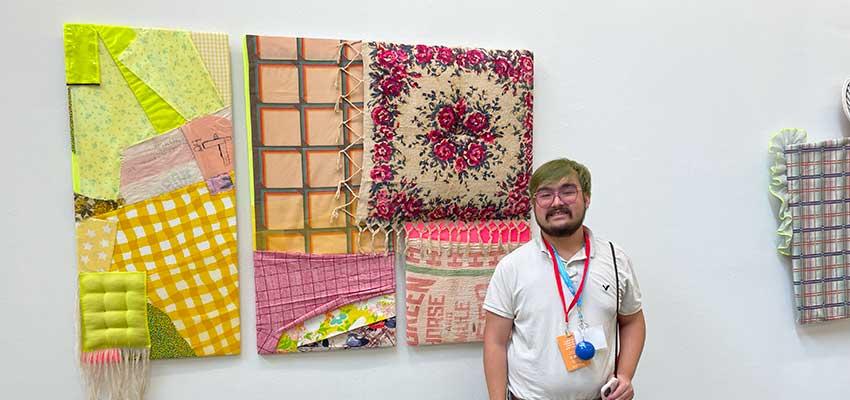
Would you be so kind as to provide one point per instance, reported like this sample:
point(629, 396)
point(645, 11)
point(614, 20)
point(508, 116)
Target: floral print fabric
point(448, 133)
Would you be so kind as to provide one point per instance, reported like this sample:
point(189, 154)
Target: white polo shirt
point(523, 289)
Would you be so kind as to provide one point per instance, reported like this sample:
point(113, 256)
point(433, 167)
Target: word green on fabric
point(113, 310)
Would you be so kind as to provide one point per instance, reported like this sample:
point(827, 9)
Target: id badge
point(567, 346)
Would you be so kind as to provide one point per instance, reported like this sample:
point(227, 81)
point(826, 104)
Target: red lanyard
point(558, 276)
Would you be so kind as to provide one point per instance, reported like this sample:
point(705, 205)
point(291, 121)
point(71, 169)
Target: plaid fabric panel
point(306, 100)
point(292, 288)
point(186, 241)
point(215, 52)
point(818, 196)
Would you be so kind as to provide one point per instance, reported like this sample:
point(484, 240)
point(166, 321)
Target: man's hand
point(624, 391)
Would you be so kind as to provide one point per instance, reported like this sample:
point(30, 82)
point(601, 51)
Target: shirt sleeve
point(499, 299)
point(631, 300)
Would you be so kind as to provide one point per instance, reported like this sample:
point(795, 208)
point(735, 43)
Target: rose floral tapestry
point(447, 134)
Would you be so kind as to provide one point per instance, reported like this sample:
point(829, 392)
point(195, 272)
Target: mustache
point(559, 209)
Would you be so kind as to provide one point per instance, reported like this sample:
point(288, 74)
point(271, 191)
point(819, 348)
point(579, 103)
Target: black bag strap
point(617, 316)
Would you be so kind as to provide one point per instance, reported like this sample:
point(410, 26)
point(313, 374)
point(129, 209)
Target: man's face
point(559, 207)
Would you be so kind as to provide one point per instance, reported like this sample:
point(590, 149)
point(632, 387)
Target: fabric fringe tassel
point(115, 373)
point(436, 238)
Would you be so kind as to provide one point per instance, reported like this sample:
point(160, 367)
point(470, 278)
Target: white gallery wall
point(669, 102)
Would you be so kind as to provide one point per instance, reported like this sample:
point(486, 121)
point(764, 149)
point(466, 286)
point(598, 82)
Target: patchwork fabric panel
point(156, 166)
point(306, 120)
point(186, 241)
point(446, 276)
point(817, 198)
point(448, 134)
point(95, 244)
point(323, 328)
point(152, 167)
point(292, 288)
point(378, 334)
point(113, 310)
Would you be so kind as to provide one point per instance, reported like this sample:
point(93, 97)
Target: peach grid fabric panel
point(186, 241)
point(299, 131)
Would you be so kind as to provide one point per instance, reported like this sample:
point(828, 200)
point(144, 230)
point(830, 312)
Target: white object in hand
point(609, 388)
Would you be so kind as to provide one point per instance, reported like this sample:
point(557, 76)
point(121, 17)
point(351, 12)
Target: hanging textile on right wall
point(811, 182)
point(447, 156)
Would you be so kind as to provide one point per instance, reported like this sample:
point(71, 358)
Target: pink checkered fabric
point(292, 288)
point(819, 199)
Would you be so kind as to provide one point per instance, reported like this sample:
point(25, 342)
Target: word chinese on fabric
point(447, 134)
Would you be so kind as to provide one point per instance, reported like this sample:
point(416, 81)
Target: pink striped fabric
point(292, 288)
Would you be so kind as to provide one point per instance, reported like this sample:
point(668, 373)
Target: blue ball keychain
point(585, 350)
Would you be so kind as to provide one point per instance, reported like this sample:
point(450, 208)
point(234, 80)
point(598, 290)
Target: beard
point(560, 231)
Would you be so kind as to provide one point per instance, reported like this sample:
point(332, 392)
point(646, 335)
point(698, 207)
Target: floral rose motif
point(382, 116)
point(458, 134)
point(383, 152)
point(424, 54)
point(526, 64)
point(473, 57)
point(412, 207)
point(392, 86)
point(387, 58)
point(469, 213)
point(474, 154)
point(460, 165)
point(488, 137)
point(502, 67)
point(487, 212)
point(381, 173)
point(460, 107)
point(446, 118)
point(402, 56)
point(383, 204)
point(445, 55)
point(437, 213)
point(445, 150)
point(528, 121)
point(477, 122)
point(386, 131)
point(384, 210)
point(522, 181)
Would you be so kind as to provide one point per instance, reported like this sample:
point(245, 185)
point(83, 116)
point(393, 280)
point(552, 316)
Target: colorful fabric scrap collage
point(361, 155)
point(155, 202)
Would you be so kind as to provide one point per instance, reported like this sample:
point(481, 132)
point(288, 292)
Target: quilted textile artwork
point(305, 106)
point(448, 134)
point(152, 171)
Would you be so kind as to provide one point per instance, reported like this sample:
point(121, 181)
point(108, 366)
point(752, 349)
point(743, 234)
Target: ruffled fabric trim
point(779, 182)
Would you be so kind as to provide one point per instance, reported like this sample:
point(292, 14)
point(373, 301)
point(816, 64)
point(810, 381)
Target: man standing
point(555, 305)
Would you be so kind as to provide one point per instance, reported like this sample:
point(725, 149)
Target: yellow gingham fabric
point(186, 242)
point(215, 52)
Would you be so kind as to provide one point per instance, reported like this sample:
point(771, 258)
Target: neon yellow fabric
point(168, 62)
point(163, 117)
point(82, 65)
point(106, 118)
point(116, 38)
point(113, 310)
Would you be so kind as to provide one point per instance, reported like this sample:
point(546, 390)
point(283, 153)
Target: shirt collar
point(538, 239)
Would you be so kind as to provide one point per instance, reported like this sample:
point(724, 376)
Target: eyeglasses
point(545, 198)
